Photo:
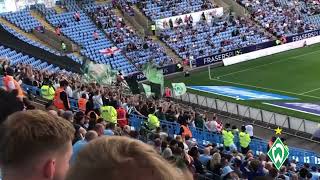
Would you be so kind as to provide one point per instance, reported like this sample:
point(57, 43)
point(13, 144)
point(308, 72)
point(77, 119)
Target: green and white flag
point(147, 89)
point(153, 74)
point(179, 89)
point(278, 153)
point(99, 73)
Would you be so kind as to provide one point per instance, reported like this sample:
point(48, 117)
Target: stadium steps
point(28, 35)
point(168, 50)
point(41, 19)
point(59, 10)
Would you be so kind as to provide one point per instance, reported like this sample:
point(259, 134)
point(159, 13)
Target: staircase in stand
point(28, 35)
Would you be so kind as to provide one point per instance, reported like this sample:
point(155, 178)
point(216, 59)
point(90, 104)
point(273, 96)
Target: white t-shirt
point(249, 129)
point(211, 126)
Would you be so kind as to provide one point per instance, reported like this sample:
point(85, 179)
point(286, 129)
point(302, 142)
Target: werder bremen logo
point(278, 153)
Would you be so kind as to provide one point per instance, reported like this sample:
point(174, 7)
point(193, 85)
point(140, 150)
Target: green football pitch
point(294, 73)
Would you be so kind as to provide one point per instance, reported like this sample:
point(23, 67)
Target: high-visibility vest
point(57, 100)
point(186, 131)
point(6, 81)
point(109, 114)
point(153, 27)
point(82, 102)
point(167, 92)
point(227, 138)
point(47, 92)
point(153, 122)
point(64, 46)
point(244, 139)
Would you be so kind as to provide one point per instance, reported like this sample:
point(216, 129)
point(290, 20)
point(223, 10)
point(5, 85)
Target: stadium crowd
point(138, 50)
point(280, 19)
point(101, 136)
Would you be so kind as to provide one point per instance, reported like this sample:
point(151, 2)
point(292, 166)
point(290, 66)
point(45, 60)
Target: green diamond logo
point(278, 153)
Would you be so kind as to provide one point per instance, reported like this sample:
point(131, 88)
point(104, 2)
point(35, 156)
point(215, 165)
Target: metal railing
point(257, 115)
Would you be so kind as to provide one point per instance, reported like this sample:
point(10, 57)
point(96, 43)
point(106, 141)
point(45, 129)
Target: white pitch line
point(310, 91)
point(268, 89)
point(267, 64)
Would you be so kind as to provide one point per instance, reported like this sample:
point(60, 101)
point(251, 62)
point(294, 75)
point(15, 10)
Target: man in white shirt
point(249, 130)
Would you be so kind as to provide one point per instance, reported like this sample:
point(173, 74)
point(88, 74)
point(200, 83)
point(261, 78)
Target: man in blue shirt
point(315, 173)
point(81, 144)
point(205, 157)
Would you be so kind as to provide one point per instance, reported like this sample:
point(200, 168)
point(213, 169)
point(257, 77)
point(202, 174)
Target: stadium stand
point(30, 41)
point(189, 41)
point(22, 19)
point(278, 17)
point(209, 38)
point(162, 9)
point(43, 9)
point(16, 58)
point(138, 50)
point(82, 34)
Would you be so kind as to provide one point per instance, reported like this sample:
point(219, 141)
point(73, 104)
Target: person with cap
point(244, 139)
point(153, 121)
point(108, 113)
point(228, 173)
point(228, 137)
point(61, 99)
point(47, 90)
point(11, 84)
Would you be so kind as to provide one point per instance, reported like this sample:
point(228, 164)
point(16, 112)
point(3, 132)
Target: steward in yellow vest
point(227, 136)
point(109, 114)
point(47, 91)
point(153, 121)
point(244, 139)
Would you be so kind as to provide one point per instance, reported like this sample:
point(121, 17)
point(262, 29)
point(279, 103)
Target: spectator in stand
point(252, 169)
point(249, 129)
point(215, 163)
point(211, 124)
point(58, 31)
point(228, 173)
point(95, 35)
point(25, 147)
point(227, 137)
point(99, 128)
point(61, 99)
point(77, 16)
point(79, 145)
point(121, 116)
point(205, 157)
point(9, 104)
point(315, 173)
point(244, 139)
point(11, 84)
point(115, 153)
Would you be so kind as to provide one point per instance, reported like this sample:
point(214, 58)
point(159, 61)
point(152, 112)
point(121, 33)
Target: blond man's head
point(36, 144)
point(122, 158)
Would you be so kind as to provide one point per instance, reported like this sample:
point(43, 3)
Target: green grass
point(295, 73)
